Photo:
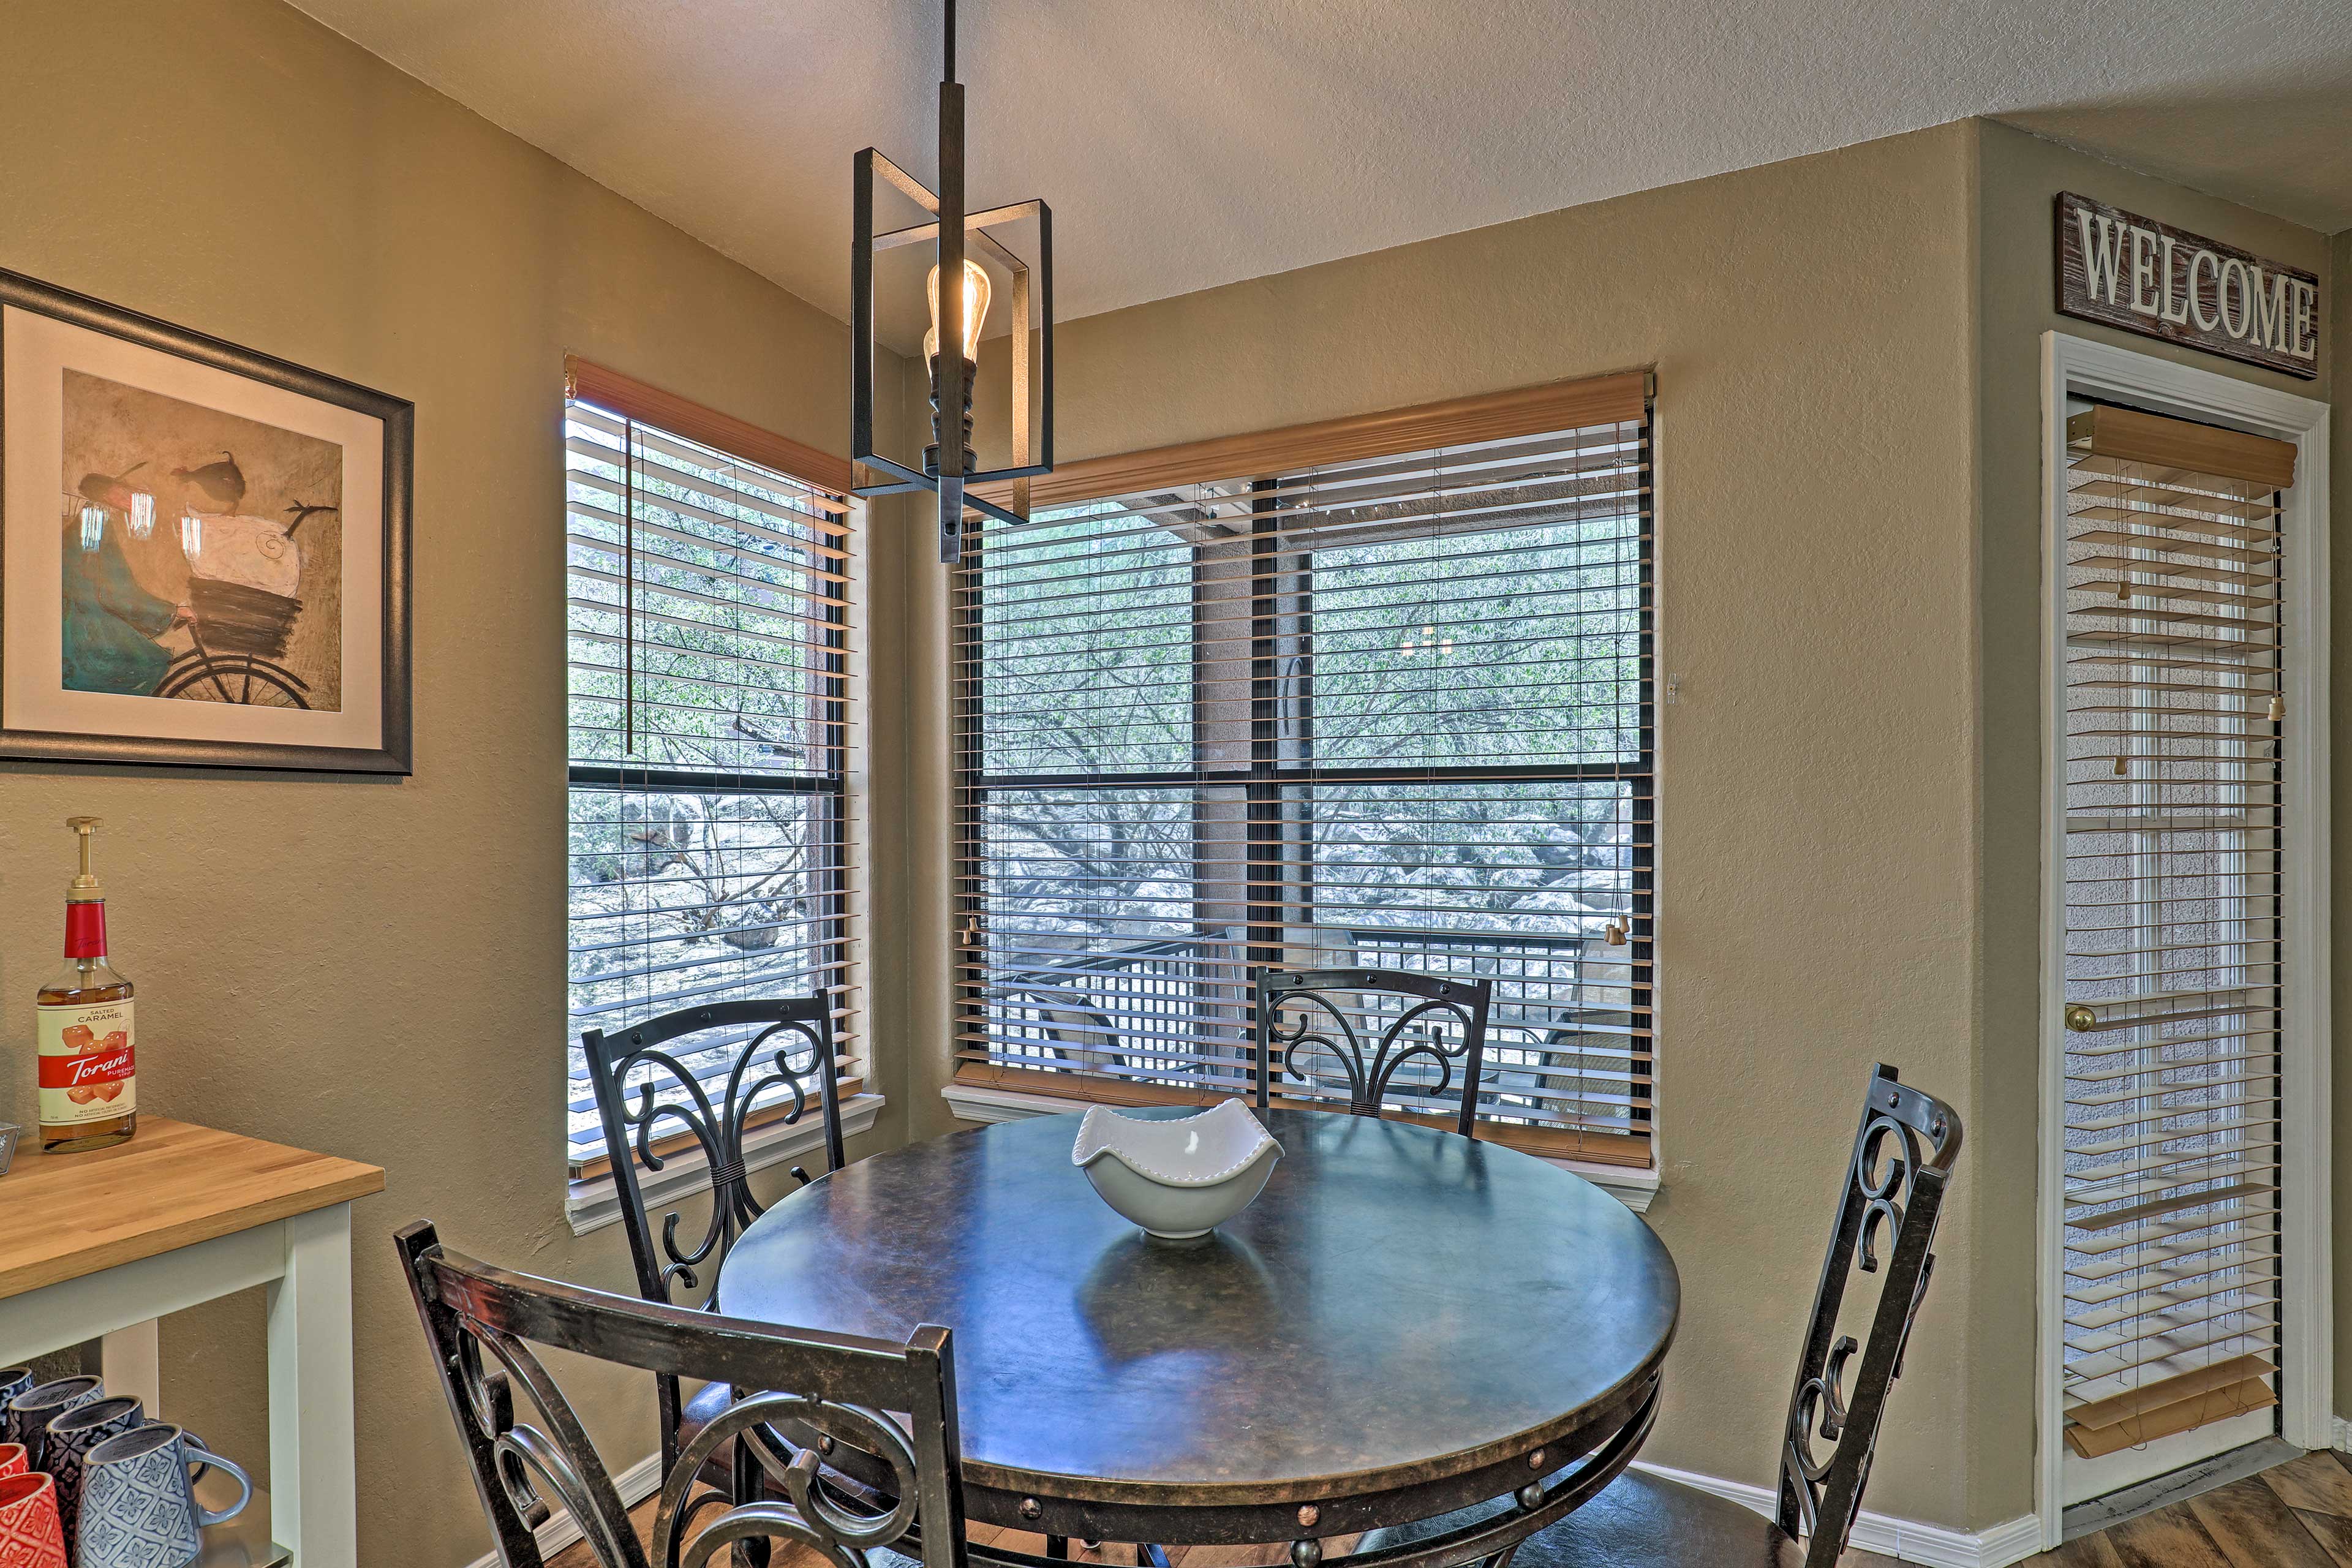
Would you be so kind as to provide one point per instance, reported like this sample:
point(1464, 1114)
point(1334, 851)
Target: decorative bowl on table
point(1179, 1178)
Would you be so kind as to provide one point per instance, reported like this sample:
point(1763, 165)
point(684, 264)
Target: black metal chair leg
point(1057, 1547)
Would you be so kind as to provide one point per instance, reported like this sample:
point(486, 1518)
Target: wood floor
point(2295, 1515)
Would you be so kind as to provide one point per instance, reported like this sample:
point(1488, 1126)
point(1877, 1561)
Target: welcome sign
point(2146, 276)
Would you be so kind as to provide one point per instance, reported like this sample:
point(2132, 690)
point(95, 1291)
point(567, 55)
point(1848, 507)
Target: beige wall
point(2340, 464)
point(369, 967)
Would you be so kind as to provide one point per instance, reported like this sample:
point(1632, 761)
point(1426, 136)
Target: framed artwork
point(204, 550)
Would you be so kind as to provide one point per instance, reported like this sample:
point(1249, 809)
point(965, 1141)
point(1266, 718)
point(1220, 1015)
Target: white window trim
point(2306, 1389)
point(973, 1102)
point(594, 1204)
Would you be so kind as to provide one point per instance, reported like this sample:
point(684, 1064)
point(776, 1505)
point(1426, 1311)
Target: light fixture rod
point(950, 367)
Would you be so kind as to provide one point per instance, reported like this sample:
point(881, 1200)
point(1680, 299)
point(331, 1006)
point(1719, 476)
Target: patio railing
point(1175, 1011)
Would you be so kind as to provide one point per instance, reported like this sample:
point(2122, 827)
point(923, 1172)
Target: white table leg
point(131, 1361)
point(314, 1462)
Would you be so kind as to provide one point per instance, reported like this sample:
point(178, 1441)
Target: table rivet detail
point(1306, 1554)
point(1031, 1508)
point(1308, 1514)
point(1536, 1459)
point(1531, 1495)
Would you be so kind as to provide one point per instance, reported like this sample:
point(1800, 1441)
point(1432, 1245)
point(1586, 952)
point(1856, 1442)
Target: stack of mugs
point(88, 1481)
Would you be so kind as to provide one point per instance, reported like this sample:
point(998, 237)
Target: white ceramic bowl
point(1182, 1178)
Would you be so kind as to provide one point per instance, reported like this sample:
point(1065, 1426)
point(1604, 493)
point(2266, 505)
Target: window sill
point(975, 1102)
point(595, 1204)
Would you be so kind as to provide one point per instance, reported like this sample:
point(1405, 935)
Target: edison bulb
point(975, 309)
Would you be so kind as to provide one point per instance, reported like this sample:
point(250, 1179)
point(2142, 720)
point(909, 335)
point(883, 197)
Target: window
point(1384, 701)
point(711, 707)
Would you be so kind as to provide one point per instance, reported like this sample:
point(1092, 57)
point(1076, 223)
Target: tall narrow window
point(1384, 701)
point(711, 712)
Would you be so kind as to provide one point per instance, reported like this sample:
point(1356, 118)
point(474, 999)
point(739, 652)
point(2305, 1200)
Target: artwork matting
point(204, 550)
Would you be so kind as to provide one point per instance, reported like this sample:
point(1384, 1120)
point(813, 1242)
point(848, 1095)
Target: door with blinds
point(1383, 709)
point(2177, 941)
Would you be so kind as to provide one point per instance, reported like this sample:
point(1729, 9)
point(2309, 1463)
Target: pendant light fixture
point(963, 247)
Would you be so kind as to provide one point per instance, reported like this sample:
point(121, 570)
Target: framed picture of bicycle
point(204, 550)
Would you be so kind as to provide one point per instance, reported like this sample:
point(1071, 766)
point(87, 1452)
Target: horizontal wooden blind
point(2173, 644)
point(1389, 710)
point(710, 714)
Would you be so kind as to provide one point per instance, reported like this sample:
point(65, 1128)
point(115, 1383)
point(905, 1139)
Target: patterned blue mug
point(30, 1413)
point(14, 1381)
point(70, 1438)
point(138, 1509)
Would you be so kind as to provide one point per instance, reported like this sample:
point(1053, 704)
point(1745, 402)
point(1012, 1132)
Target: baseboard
point(636, 1484)
point(1889, 1537)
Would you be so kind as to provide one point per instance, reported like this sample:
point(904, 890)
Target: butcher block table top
point(171, 1185)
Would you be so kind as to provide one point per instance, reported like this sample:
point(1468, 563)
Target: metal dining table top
point(1401, 1310)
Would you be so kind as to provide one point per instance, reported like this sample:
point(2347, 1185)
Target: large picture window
point(709, 649)
point(1388, 709)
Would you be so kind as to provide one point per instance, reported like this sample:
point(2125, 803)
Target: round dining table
point(1404, 1322)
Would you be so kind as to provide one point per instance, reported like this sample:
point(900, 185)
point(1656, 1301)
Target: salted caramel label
point(88, 1071)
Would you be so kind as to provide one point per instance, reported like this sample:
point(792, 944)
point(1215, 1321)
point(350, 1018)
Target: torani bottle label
point(88, 1071)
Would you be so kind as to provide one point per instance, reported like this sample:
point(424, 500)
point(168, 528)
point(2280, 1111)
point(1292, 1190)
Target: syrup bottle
point(88, 1089)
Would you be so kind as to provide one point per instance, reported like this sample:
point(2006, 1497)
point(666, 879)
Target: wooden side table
point(100, 1245)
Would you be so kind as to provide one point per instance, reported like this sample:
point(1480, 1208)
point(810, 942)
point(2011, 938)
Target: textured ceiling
point(1184, 143)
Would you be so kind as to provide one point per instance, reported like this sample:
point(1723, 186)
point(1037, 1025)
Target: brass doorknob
point(2079, 1019)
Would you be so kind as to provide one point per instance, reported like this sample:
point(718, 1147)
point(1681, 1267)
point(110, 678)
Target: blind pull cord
point(629, 594)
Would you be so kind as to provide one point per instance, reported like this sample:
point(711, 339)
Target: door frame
point(2079, 366)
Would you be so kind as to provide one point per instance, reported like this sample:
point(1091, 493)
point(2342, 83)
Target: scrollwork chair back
point(1891, 1198)
point(486, 1325)
point(669, 1100)
point(1439, 1024)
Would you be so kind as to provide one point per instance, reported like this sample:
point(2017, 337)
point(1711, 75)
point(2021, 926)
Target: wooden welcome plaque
point(2149, 277)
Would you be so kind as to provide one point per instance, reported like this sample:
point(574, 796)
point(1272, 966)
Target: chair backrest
point(1891, 1195)
point(486, 1325)
point(1369, 1023)
point(751, 1081)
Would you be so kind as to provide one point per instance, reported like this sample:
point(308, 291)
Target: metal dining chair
point(749, 1078)
point(896, 1403)
point(1368, 1024)
point(1890, 1195)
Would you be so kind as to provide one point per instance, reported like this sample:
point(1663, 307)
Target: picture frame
point(167, 601)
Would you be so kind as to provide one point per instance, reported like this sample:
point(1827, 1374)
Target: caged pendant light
point(949, 469)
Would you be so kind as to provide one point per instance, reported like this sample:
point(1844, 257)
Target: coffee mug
point(30, 1413)
point(137, 1510)
point(69, 1437)
point(29, 1537)
point(12, 1460)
